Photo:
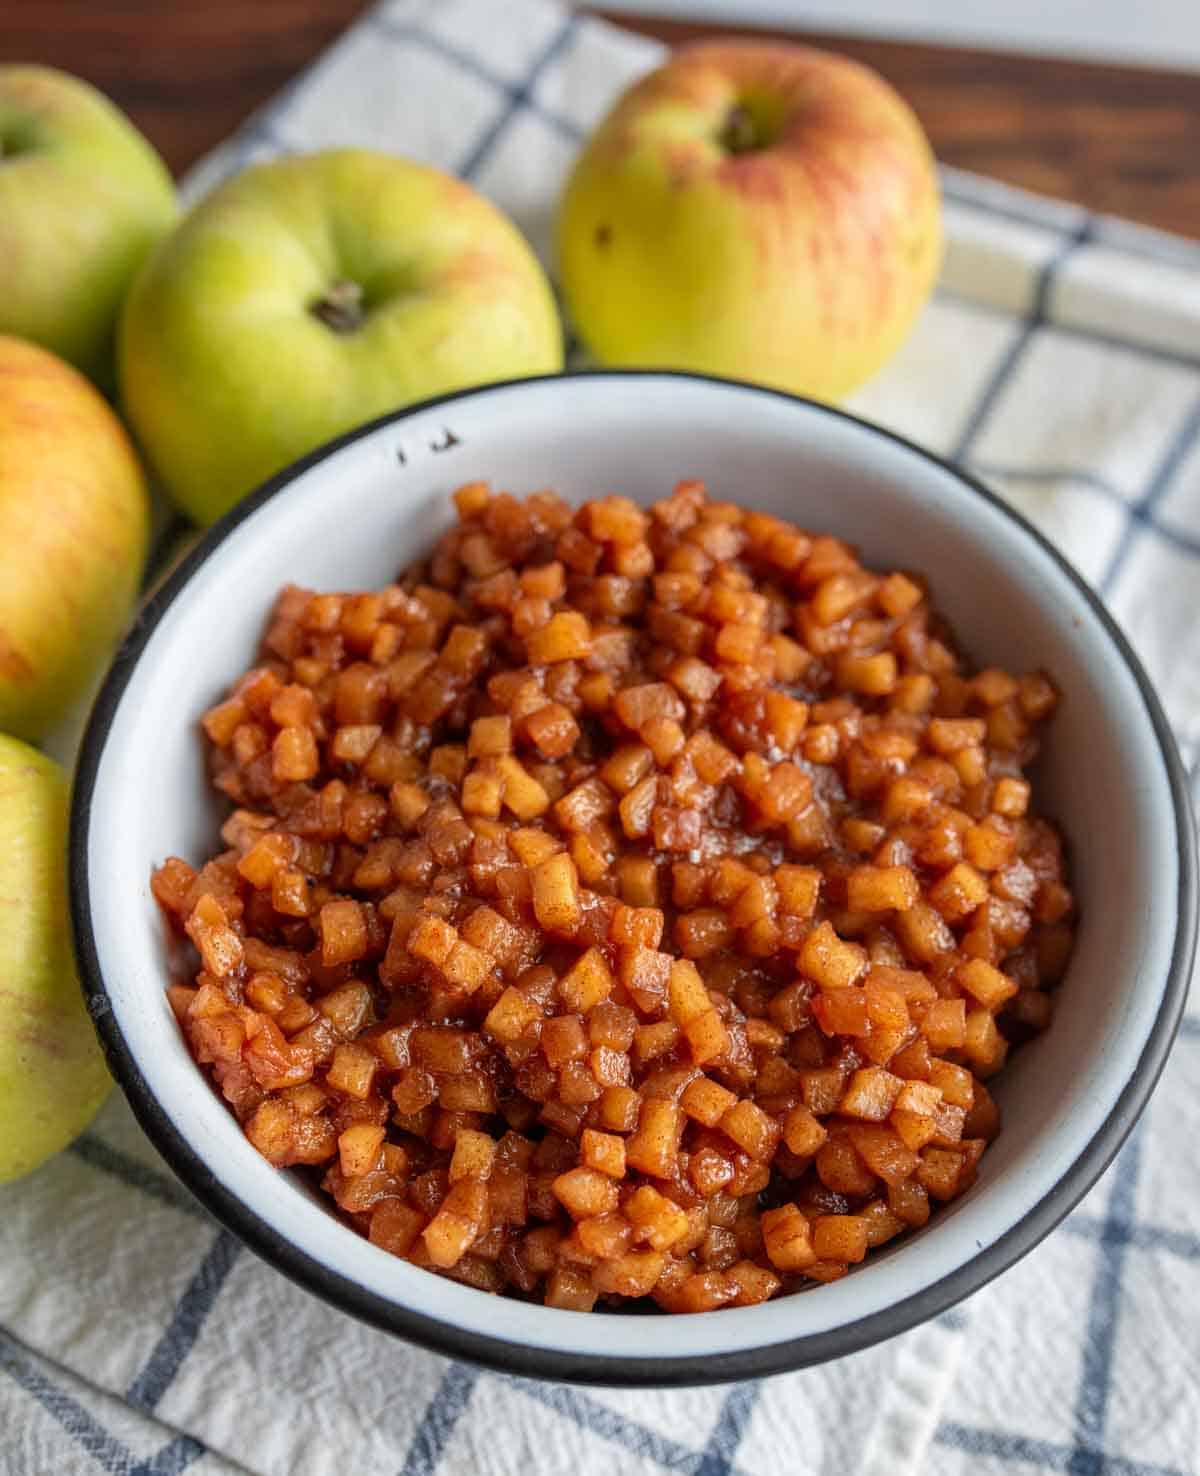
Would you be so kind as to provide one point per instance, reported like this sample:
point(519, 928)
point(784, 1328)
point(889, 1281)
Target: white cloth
point(1061, 360)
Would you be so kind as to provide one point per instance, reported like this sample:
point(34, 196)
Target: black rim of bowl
point(496, 1351)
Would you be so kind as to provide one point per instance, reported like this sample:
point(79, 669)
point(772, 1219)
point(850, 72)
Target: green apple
point(83, 198)
point(754, 209)
point(309, 295)
point(74, 524)
point(52, 1073)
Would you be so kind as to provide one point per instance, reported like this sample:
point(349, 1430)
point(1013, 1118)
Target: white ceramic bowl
point(352, 514)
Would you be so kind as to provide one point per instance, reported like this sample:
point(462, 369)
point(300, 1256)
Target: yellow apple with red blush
point(754, 209)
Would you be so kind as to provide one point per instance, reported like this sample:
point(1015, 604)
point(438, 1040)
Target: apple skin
point(227, 375)
point(74, 526)
point(83, 198)
point(801, 263)
point(53, 1078)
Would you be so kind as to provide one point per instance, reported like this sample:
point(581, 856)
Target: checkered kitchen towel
point(1061, 360)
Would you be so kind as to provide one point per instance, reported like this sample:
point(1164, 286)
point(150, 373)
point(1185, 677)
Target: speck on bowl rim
point(618, 419)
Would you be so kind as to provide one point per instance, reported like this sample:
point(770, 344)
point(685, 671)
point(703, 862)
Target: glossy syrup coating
point(624, 903)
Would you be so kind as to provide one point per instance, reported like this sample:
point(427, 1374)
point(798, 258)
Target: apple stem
point(341, 308)
point(740, 134)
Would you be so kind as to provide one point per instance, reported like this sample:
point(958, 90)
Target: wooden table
point(1121, 139)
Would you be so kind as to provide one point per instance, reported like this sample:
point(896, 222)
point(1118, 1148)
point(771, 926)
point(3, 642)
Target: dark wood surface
point(1121, 139)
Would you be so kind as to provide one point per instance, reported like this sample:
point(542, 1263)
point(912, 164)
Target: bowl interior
point(353, 518)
